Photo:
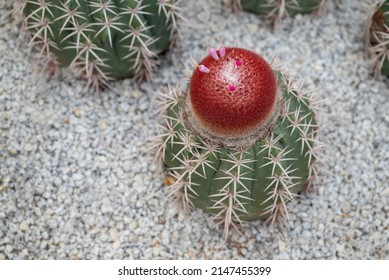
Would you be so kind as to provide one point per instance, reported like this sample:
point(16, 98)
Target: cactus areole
point(232, 95)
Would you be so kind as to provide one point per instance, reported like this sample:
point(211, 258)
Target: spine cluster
point(377, 38)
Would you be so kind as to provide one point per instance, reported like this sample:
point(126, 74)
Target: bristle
point(201, 161)
point(187, 142)
point(277, 160)
point(43, 9)
point(234, 181)
point(278, 214)
point(41, 28)
point(80, 32)
point(70, 16)
point(270, 143)
point(227, 207)
point(238, 162)
point(108, 24)
point(170, 98)
point(180, 191)
point(168, 134)
point(136, 13)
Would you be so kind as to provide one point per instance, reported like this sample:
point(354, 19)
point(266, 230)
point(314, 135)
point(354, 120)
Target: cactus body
point(377, 38)
point(254, 171)
point(275, 10)
point(292, 7)
point(104, 38)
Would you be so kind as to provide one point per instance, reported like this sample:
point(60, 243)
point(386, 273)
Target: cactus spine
point(377, 38)
point(241, 143)
point(105, 39)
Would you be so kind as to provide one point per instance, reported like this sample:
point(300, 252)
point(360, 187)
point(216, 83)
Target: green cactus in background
point(275, 10)
point(105, 39)
point(242, 142)
point(377, 38)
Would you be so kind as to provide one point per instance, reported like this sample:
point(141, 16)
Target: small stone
point(136, 94)
point(77, 177)
point(252, 27)
point(134, 238)
point(143, 106)
point(127, 166)
point(8, 248)
point(116, 245)
point(281, 245)
point(77, 113)
point(28, 147)
point(385, 192)
point(340, 248)
point(125, 107)
point(165, 237)
point(102, 125)
point(43, 244)
point(23, 226)
point(154, 243)
point(103, 163)
point(24, 253)
point(13, 152)
point(134, 225)
point(282, 256)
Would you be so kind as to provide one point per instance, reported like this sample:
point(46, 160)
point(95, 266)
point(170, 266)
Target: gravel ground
point(76, 181)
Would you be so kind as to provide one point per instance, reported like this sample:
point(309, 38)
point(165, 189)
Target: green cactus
point(105, 39)
point(242, 142)
point(275, 10)
point(377, 38)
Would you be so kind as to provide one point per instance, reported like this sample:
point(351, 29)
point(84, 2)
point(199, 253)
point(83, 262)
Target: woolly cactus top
point(232, 94)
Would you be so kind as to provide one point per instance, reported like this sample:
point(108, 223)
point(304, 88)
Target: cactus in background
point(275, 10)
point(105, 39)
point(242, 142)
point(377, 38)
